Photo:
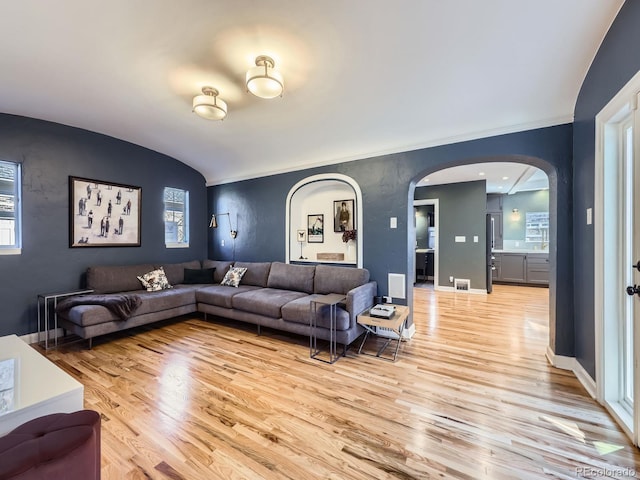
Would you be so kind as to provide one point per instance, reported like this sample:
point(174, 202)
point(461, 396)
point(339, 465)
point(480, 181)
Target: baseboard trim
point(570, 363)
point(30, 338)
point(585, 379)
point(560, 361)
point(35, 337)
point(409, 332)
point(475, 291)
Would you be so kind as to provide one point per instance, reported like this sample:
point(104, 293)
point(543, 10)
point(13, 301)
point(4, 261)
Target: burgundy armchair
point(61, 446)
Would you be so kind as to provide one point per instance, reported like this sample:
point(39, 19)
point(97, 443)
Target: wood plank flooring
point(471, 396)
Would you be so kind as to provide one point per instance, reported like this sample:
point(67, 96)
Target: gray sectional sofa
point(270, 294)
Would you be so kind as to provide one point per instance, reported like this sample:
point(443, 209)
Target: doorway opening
point(426, 218)
point(519, 250)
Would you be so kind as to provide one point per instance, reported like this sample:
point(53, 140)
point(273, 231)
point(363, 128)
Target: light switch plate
point(589, 216)
point(475, 239)
point(460, 239)
point(393, 222)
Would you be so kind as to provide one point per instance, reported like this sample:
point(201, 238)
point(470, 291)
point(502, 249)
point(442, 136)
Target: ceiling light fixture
point(264, 80)
point(208, 105)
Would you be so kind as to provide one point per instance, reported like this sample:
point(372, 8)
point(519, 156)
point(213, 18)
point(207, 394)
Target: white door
point(618, 263)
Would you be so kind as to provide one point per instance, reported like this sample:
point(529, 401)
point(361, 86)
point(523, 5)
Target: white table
point(32, 386)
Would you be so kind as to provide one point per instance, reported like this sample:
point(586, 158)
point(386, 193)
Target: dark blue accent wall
point(49, 153)
point(617, 60)
point(388, 184)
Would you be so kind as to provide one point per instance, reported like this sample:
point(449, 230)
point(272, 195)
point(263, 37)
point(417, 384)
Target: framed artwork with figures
point(343, 215)
point(103, 214)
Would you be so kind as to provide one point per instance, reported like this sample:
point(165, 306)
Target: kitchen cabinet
point(430, 265)
point(522, 268)
point(494, 202)
point(538, 268)
point(513, 267)
point(421, 259)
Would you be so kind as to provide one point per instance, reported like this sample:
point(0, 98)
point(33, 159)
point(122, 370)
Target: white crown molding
point(492, 132)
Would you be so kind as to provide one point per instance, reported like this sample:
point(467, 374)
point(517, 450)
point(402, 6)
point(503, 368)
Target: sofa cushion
point(175, 271)
point(299, 311)
point(264, 301)
point(220, 295)
point(220, 266)
point(257, 273)
point(112, 279)
point(166, 299)
point(151, 302)
point(233, 276)
point(330, 279)
point(155, 280)
point(198, 275)
point(291, 277)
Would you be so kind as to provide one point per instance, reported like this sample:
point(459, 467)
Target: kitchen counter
point(520, 250)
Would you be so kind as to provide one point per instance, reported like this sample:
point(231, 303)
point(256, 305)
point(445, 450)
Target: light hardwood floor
point(471, 396)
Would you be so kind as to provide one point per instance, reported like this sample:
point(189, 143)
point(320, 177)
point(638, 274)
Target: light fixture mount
point(265, 60)
point(208, 105)
point(214, 223)
point(264, 80)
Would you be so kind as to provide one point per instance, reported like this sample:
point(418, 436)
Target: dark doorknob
point(633, 290)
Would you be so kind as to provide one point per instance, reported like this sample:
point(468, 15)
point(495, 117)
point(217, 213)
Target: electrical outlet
point(222, 243)
point(451, 279)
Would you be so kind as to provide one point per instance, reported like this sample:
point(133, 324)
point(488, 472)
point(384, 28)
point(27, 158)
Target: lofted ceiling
point(362, 77)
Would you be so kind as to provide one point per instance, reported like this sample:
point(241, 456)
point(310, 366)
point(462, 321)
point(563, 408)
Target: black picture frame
point(315, 228)
point(344, 219)
point(103, 214)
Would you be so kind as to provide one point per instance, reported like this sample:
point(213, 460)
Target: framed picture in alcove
point(315, 228)
point(343, 216)
point(103, 214)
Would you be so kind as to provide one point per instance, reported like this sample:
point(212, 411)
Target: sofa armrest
point(359, 299)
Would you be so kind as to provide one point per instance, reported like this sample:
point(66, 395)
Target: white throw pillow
point(233, 276)
point(155, 280)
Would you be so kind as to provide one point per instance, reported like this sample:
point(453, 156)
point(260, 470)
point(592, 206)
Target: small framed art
point(315, 228)
point(343, 217)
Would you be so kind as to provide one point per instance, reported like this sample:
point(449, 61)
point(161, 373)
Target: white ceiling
point(362, 77)
point(501, 177)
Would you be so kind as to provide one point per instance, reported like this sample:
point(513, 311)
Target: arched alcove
point(315, 201)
